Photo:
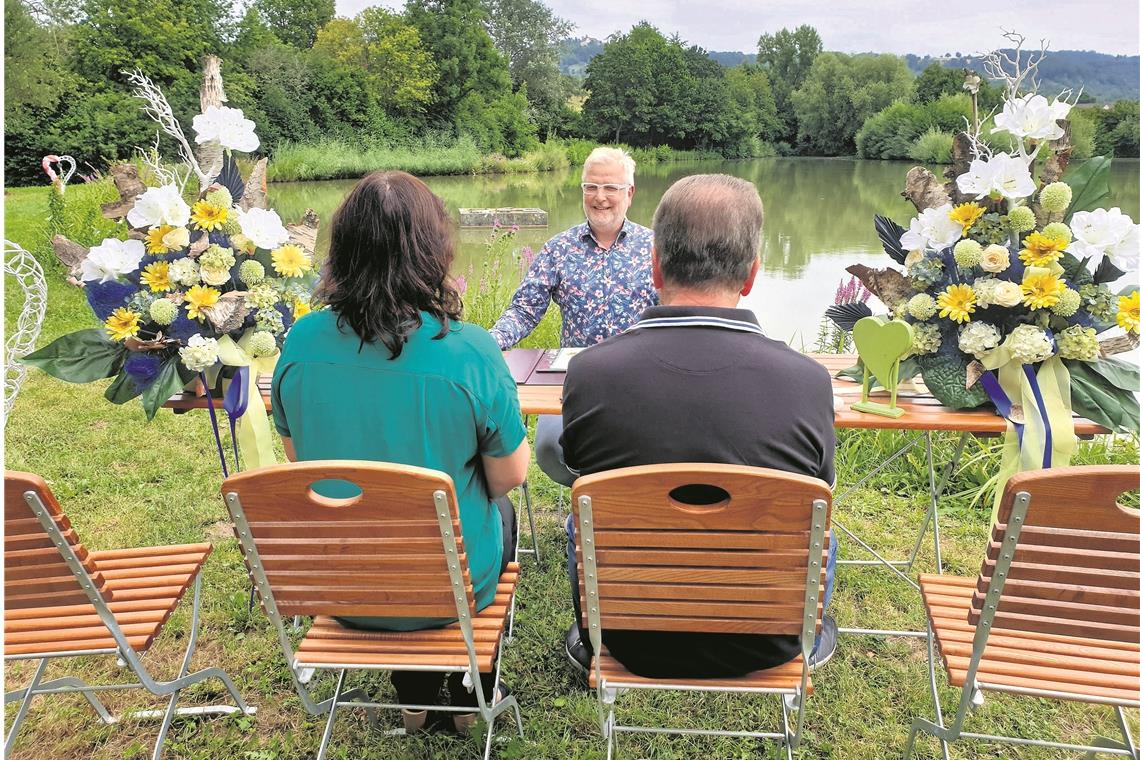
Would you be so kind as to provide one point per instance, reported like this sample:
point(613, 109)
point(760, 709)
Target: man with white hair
point(599, 274)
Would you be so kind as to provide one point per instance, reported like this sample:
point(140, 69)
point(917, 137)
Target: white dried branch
point(158, 108)
point(1014, 71)
point(978, 147)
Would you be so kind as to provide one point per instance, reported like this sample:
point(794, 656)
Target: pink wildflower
point(461, 284)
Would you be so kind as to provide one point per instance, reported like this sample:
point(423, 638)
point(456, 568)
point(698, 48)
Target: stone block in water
point(486, 217)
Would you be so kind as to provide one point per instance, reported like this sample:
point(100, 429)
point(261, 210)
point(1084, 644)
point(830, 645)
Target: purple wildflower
point(461, 284)
point(528, 254)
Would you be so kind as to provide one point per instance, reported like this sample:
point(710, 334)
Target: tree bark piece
point(211, 94)
point(890, 285)
point(924, 190)
point(130, 187)
point(256, 194)
point(71, 254)
point(304, 234)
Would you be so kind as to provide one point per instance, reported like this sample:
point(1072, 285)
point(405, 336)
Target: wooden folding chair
point(1055, 611)
point(393, 550)
point(61, 600)
point(709, 548)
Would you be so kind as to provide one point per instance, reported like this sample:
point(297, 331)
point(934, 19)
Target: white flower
point(199, 353)
point(984, 291)
point(1032, 116)
point(263, 227)
point(177, 239)
point(227, 126)
point(933, 229)
point(212, 276)
point(995, 258)
point(1006, 294)
point(1106, 233)
point(184, 271)
point(112, 259)
point(1028, 344)
point(977, 337)
point(159, 205)
point(1004, 175)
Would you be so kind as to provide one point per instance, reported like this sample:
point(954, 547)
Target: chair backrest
point(701, 547)
point(380, 553)
point(35, 573)
point(1076, 567)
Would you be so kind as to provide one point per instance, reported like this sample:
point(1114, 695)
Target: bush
point(932, 147)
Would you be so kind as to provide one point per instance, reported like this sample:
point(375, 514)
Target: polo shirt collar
point(743, 320)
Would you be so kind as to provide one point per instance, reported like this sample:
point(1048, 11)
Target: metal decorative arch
point(23, 267)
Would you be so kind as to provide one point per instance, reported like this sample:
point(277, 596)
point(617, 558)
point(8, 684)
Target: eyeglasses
point(593, 188)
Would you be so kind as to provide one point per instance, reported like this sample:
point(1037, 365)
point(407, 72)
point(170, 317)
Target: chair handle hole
point(334, 493)
point(699, 497)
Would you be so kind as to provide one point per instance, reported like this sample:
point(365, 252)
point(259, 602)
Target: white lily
point(1106, 233)
point(1004, 175)
point(1032, 117)
point(933, 229)
point(227, 126)
point(159, 205)
point(263, 227)
point(112, 259)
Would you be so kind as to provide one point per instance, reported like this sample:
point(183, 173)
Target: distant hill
point(1105, 78)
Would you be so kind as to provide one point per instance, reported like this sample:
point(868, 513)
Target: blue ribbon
point(1001, 401)
point(1036, 388)
point(214, 423)
point(235, 402)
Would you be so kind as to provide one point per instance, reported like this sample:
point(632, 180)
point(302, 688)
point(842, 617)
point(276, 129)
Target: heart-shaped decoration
point(59, 167)
point(881, 342)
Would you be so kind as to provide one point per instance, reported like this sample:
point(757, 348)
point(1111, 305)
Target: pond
point(818, 219)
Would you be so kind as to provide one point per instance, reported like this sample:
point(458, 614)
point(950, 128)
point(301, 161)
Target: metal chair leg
point(332, 716)
point(29, 694)
point(80, 686)
point(530, 518)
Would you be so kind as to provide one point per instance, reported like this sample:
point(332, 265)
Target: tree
point(529, 36)
point(936, 81)
point(787, 56)
point(296, 22)
point(31, 68)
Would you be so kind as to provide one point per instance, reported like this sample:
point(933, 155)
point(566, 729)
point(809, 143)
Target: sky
point(856, 26)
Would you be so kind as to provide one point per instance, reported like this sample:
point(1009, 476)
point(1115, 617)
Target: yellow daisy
point(966, 214)
point(291, 261)
point(301, 308)
point(122, 324)
point(156, 276)
point(1128, 316)
point(200, 297)
point(1041, 289)
point(209, 217)
point(1041, 251)
point(957, 302)
point(154, 236)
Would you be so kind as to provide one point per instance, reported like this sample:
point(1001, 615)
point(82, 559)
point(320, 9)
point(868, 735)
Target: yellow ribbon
point(254, 439)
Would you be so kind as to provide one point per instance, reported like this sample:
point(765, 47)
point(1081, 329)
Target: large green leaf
point(1124, 375)
point(908, 368)
point(80, 357)
point(122, 390)
point(1089, 182)
point(168, 382)
point(1099, 400)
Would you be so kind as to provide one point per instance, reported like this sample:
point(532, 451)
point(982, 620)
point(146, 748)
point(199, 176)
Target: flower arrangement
point(1008, 276)
point(195, 287)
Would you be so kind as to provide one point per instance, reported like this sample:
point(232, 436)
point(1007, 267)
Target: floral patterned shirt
point(601, 292)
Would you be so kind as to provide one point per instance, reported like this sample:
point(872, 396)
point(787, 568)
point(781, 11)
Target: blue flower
point(143, 369)
point(286, 315)
point(183, 328)
point(218, 237)
point(105, 297)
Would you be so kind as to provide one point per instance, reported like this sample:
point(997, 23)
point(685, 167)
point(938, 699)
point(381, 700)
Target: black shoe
point(577, 651)
point(825, 643)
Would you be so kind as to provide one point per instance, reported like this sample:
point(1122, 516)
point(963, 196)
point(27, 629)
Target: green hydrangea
point(220, 197)
point(1029, 344)
point(262, 297)
point(927, 339)
point(1055, 197)
point(991, 228)
point(925, 273)
point(163, 311)
point(262, 344)
point(251, 272)
point(968, 253)
point(269, 320)
point(1067, 303)
point(1078, 343)
point(977, 337)
point(1022, 219)
point(922, 306)
point(140, 302)
point(1099, 301)
point(216, 257)
point(232, 225)
point(1058, 231)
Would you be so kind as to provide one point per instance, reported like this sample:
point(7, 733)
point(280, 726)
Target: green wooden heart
point(881, 341)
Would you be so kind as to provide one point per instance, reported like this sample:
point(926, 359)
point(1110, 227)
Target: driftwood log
point(130, 187)
point(211, 94)
point(256, 194)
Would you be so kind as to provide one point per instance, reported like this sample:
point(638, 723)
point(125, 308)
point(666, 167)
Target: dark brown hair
point(392, 246)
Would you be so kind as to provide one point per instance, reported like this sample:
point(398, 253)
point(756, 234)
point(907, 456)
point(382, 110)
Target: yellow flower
point(200, 297)
point(966, 214)
point(291, 261)
point(1129, 315)
point(208, 216)
point(1041, 288)
point(154, 236)
point(122, 324)
point(301, 308)
point(957, 302)
point(1041, 251)
point(156, 276)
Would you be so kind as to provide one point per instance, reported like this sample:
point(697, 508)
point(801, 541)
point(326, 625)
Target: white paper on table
point(562, 359)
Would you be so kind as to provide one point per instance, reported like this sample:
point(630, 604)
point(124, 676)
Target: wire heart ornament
point(59, 169)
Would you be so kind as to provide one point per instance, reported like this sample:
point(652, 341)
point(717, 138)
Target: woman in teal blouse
point(389, 373)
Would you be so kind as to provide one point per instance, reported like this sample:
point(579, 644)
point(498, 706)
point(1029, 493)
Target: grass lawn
point(125, 482)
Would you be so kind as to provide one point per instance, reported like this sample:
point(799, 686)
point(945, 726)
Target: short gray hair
point(607, 155)
point(707, 231)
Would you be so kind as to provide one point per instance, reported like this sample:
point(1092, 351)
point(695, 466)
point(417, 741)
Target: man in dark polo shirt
point(696, 380)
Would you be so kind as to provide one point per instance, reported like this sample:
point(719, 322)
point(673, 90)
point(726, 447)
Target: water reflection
point(818, 218)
